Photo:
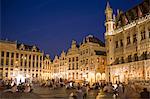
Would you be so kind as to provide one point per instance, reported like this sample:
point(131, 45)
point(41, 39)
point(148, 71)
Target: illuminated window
point(121, 43)
point(143, 35)
point(128, 40)
point(134, 38)
point(116, 44)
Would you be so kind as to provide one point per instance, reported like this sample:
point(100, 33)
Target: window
point(69, 67)
point(2, 61)
point(2, 54)
point(86, 68)
point(134, 38)
point(116, 44)
point(86, 50)
point(37, 64)
point(33, 64)
point(7, 54)
point(143, 35)
point(73, 59)
point(76, 75)
point(40, 57)
point(29, 64)
point(73, 66)
point(69, 59)
point(135, 57)
point(29, 57)
point(40, 64)
point(6, 74)
point(17, 55)
point(76, 58)
point(25, 63)
point(76, 65)
point(12, 55)
point(7, 61)
point(36, 75)
point(121, 43)
point(128, 40)
point(12, 62)
point(129, 58)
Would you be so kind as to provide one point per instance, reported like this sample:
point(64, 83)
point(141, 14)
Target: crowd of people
point(11, 86)
point(125, 91)
point(118, 90)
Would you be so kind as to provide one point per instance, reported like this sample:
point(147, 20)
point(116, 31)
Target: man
point(145, 94)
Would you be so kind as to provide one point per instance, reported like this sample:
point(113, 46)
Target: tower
point(109, 38)
point(109, 22)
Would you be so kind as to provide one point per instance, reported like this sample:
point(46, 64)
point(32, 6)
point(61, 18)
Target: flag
point(125, 19)
point(139, 12)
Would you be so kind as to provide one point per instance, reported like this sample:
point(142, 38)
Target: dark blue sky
point(52, 24)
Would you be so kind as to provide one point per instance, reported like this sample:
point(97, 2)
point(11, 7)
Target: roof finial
point(108, 5)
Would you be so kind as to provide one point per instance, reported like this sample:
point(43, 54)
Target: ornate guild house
point(128, 43)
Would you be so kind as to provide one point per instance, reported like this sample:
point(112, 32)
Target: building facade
point(47, 68)
point(84, 62)
point(128, 43)
point(23, 62)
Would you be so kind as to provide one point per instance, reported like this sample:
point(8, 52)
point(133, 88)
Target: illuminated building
point(128, 43)
point(84, 62)
point(20, 61)
point(92, 59)
point(47, 68)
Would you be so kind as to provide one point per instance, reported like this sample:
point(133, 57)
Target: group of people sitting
point(22, 87)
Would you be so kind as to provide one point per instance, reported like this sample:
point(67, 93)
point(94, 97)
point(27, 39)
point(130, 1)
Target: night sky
point(53, 24)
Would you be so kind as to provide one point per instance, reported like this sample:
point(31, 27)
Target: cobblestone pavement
point(45, 93)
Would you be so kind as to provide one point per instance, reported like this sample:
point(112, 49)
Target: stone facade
point(20, 60)
point(84, 62)
point(128, 44)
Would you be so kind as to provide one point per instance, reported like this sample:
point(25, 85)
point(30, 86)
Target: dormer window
point(34, 49)
point(22, 47)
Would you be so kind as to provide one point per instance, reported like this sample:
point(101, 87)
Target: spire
point(108, 8)
point(108, 5)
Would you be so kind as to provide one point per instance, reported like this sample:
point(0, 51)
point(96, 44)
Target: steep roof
point(132, 14)
point(93, 39)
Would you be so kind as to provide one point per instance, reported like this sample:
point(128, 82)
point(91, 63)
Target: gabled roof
point(95, 40)
point(132, 14)
point(27, 47)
